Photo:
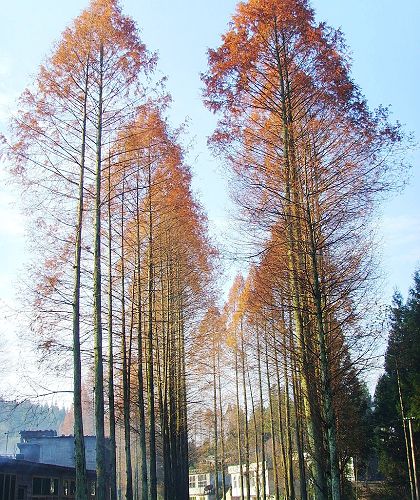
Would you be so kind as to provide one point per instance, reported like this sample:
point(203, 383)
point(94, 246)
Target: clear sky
point(384, 39)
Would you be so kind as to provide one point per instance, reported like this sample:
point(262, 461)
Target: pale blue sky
point(384, 39)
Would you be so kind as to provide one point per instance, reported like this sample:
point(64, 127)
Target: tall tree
point(82, 96)
point(309, 158)
point(167, 249)
point(397, 391)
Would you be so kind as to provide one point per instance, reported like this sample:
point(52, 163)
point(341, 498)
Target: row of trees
point(254, 412)
point(16, 416)
point(397, 397)
point(123, 261)
point(124, 265)
point(255, 409)
point(308, 162)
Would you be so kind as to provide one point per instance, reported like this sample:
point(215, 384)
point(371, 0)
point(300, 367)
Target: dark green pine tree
point(402, 369)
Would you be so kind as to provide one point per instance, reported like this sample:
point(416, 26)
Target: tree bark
point(111, 396)
point(247, 478)
point(79, 443)
point(97, 305)
point(150, 362)
point(140, 389)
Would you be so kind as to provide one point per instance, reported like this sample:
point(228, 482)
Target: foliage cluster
point(398, 390)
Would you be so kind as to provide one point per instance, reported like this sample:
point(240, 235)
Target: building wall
point(58, 451)
point(235, 475)
point(23, 480)
point(198, 482)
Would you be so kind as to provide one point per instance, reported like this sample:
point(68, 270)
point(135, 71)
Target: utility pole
point(410, 474)
point(413, 454)
point(7, 439)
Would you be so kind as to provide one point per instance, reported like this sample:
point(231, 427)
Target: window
point(192, 482)
point(69, 488)
point(44, 487)
point(7, 486)
point(202, 480)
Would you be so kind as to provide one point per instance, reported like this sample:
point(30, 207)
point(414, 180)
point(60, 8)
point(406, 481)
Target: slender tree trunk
point(273, 433)
point(407, 447)
point(125, 364)
point(314, 429)
point(413, 456)
point(216, 468)
point(169, 404)
point(120, 474)
point(79, 443)
point(262, 431)
point(136, 467)
point(111, 396)
point(289, 450)
point(162, 385)
point(222, 438)
point(247, 478)
point(257, 454)
point(297, 399)
point(238, 420)
point(280, 419)
point(326, 385)
point(140, 393)
point(97, 307)
point(183, 416)
point(150, 364)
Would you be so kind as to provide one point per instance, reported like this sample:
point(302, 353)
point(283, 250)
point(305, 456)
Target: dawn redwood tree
point(111, 388)
point(233, 314)
point(211, 362)
point(144, 148)
point(119, 56)
point(169, 257)
point(261, 306)
point(310, 159)
point(183, 270)
point(183, 274)
point(212, 353)
point(43, 158)
point(83, 95)
point(210, 332)
point(38, 148)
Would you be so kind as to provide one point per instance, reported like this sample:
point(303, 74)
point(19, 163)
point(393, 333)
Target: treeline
point(252, 414)
point(124, 271)
point(255, 409)
point(122, 260)
point(397, 399)
point(16, 416)
point(308, 162)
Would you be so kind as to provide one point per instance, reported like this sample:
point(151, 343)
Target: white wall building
point(203, 485)
point(256, 474)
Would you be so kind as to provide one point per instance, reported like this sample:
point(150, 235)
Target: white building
point(48, 448)
point(256, 474)
point(203, 485)
point(349, 471)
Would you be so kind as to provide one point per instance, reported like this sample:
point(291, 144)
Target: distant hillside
point(17, 416)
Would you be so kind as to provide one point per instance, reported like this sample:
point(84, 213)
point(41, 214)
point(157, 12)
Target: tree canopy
point(398, 389)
